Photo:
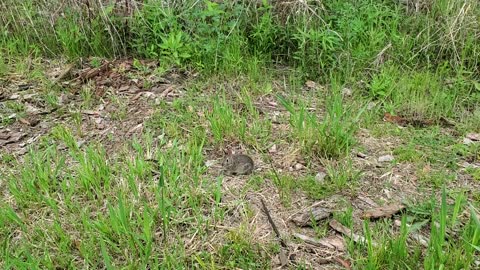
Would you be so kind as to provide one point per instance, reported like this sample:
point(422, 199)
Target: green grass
point(148, 199)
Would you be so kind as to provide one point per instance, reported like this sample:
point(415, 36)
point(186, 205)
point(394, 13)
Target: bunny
point(237, 164)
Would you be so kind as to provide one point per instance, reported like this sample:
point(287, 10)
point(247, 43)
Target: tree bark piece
point(383, 211)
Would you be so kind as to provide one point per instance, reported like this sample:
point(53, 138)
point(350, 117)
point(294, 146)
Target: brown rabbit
point(237, 164)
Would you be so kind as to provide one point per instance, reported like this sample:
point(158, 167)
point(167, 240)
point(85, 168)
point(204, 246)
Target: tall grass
point(348, 37)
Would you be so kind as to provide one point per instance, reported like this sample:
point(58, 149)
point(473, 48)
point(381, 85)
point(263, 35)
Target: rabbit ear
point(228, 152)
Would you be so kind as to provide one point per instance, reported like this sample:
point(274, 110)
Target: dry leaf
point(383, 211)
point(343, 262)
point(387, 117)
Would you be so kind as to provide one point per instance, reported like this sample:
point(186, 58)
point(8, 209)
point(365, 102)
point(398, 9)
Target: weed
point(331, 138)
point(224, 122)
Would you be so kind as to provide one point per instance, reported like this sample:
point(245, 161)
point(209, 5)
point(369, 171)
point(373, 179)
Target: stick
point(275, 229)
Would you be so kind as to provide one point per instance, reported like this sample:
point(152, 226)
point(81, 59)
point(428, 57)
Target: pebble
point(386, 158)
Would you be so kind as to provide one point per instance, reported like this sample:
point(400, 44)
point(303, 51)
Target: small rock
point(346, 92)
point(320, 177)
point(273, 149)
point(361, 155)
point(371, 105)
point(31, 109)
point(14, 96)
point(298, 166)
point(386, 158)
point(29, 96)
point(473, 136)
point(310, 84)
point(210, 163)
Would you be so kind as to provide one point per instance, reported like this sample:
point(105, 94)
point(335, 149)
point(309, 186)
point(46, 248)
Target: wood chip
point(167, 91)
point(383, 211)
point(135, 128)
point(90, 73)
point(343, 262)
point(333, 242)
point(305, 218)
point(337, 226)
point(367, 201)
point(12, 138)
point(90, 112)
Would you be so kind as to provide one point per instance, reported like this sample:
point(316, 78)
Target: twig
point(270, 220)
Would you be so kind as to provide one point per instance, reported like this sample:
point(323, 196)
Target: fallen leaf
point(343, 262)
point(387, 117)
point(383, 211)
